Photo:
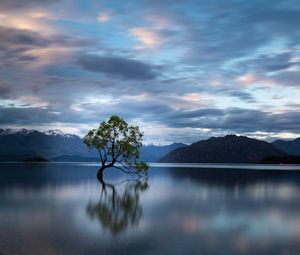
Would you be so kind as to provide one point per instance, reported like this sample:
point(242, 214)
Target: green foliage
point(117, 142)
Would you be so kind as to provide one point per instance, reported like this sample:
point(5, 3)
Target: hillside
point(290, 147)
point(228, 149)
point(18, 145)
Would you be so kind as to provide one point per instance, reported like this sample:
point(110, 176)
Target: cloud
point(5, 89)
point(269, 62)
point(104, 16)
point(288, 78)
point(14, 45)
point(283, 66)
point(120, 67)
point(20, 4)
point(236, 120)
point(19, 47)
point(25, 116)
point(23, 38)
point(247, 79)
point(149, 37)
point(279, 21)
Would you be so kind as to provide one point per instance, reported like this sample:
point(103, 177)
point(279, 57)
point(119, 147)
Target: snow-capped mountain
point(23, 131)
point(7, 131)
point(57, 132)
point(24, 143)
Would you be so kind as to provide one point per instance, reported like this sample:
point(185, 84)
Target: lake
point(61, 208)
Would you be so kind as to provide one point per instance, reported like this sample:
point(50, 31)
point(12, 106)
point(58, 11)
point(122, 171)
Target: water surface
point(182, 209)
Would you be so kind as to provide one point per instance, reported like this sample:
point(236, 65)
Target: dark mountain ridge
point(228, 149)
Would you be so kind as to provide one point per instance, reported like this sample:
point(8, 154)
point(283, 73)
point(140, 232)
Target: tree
point(118, 145)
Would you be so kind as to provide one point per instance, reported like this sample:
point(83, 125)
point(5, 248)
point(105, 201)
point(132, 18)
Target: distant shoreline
point(241, 166)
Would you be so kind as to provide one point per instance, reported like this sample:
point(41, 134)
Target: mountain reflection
point(231, 178)
point(119, 205)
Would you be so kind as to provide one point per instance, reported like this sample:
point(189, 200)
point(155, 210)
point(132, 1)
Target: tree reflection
point(119, 205)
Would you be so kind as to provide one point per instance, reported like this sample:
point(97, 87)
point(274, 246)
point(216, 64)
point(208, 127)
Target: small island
point(36, 159)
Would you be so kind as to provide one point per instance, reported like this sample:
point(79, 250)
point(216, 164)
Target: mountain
point(228, 149)
point(55, 145)
point(290, 147)
point(152, 153)
point(23, 144)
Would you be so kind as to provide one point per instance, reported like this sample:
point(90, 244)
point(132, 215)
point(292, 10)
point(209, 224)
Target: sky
point(181, 70)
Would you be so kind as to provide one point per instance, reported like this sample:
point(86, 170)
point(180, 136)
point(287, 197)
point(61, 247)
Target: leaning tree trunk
point(100, 173)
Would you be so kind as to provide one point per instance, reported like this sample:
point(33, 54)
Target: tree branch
point(121, 150)
point(127, 167)
point(127, 172)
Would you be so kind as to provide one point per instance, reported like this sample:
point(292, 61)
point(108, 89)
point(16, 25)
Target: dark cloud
point(279, 21)
point(289, 78)
point(264, 63)
point(235, 93)
point(24, 38)
point(281, 66)
point(21, 4)
point(199, 113)
point(237, 120)
point(118, 67)
point(5, 89)
point(25, 116)
point(16, 45)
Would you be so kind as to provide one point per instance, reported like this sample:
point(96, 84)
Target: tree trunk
point(100, 173)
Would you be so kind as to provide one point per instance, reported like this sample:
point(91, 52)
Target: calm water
point(220, 209)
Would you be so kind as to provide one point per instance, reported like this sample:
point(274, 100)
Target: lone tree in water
point(118, 145)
